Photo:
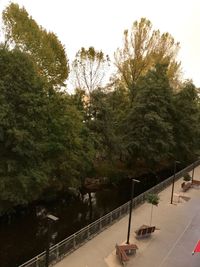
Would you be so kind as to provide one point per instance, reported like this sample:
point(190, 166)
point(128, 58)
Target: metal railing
point(61, 249)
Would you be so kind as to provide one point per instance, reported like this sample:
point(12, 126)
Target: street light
point(175, 162)
point(192, 172)
point(130, 208)
point(50, 218)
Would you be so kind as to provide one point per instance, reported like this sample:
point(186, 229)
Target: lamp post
point(175, 162)
point(193, 173)
point(130, 208)
point(50, 218)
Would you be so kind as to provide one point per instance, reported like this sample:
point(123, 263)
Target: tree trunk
point(151, 214)
point(90, 206)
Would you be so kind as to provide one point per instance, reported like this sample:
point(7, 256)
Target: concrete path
point(171, 246)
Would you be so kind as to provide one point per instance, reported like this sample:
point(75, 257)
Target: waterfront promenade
point(171, 246)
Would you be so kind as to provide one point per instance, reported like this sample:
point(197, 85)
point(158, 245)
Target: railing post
point(120, 212)
point(57, 253)
point(88, 232)
point(37, 261)
point(74, 241)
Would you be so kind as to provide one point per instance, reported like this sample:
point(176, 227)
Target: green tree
point(187, 177)
point(143, 49)
point(89, 69)
point(45, 49)
point(80, 100)
point(23, 126)
point(148, 125)
point(41, 134)
point(186, 122)
point(102, 123)
point(118, 102)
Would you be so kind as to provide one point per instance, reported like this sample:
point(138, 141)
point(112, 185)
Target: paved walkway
point(171, 246)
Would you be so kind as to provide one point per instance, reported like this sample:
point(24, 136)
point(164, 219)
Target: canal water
point(23, 235)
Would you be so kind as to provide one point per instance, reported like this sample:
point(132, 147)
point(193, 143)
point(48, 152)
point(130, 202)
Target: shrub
point(186, 177)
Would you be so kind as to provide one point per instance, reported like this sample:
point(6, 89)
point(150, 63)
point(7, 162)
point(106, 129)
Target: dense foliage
point(40, 133)
point(149, 122)
point(142, 120)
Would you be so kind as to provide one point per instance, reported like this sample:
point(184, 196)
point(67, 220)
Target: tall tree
point(44, 47)
point(102, 123)
point(23, 127)
point(149, 123)
point(186, 122)
point(89, 69)
point(143, 49)
point(41, 134)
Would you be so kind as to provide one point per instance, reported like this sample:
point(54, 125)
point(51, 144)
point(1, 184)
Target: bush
point(187, 177)
point(153, 199)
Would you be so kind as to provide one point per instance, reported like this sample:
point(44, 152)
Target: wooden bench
point(121, 254)
point(195, 182)
point(185, 186)
point(123, 250)
point(145, 231)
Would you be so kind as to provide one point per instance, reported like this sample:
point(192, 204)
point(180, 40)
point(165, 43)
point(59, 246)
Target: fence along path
point(66, 246)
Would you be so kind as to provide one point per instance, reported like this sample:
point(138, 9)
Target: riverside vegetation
point(140, 121)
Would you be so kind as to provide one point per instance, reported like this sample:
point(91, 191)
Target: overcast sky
point(100, 23)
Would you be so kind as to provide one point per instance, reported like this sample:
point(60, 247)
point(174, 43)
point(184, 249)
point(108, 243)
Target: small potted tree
point(153, 199)
point(187, 177)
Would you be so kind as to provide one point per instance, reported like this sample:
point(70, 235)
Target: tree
point(89, 69)
point(186, 122)
point(148, 124)
point(187, 177)
point(103, 123)
point(42, 138)
point(143, 49)
point(153, 199)
point(45, 49)
point(118, 106)
point(65, 147)
point(23, 127)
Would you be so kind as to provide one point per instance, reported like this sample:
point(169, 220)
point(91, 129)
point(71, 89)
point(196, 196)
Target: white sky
point(100, 23)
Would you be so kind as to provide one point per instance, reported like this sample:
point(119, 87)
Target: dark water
point(23, 237)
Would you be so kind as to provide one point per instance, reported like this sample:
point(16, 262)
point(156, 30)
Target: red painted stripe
point(197, 248)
